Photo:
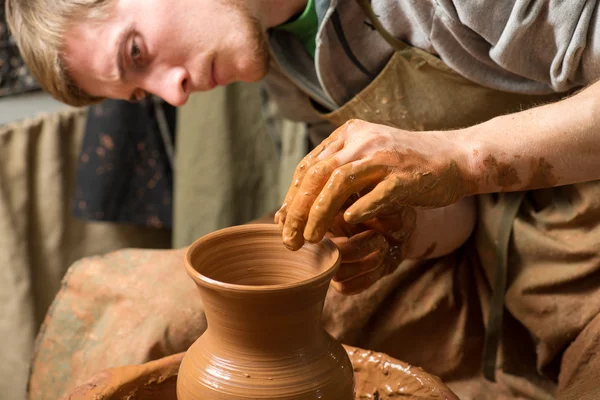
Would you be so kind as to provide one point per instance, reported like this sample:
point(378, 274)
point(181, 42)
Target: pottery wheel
point(378, 376)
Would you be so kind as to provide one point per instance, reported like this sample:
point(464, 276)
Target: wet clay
point(506, 177)
point(153, 380)
point(377, 376)
point(263, 306)
point(504, 174)
point(541, 174)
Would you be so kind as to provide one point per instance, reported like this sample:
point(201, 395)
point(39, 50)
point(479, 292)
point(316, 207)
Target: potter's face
point(169, 48)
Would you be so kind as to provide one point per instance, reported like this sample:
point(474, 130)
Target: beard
point(253, 57)
point(255, 64)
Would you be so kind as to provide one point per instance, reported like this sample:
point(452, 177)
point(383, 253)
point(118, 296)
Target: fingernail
point(289, 247)
point(353, 218)
point(290, 237)
point(349, 217)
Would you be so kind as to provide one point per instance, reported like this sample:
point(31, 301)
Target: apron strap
point(495, 317)
point(396, 44)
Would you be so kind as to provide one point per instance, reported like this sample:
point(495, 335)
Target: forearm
point(440, 231)
point(551, 145)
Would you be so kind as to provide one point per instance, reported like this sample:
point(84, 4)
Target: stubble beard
point(257, 66)
point(260, 50)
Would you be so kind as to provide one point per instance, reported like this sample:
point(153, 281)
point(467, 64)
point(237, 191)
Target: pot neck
point(277, 320)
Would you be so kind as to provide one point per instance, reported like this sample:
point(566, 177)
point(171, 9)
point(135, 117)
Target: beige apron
point(417, 91)
point(135, 306)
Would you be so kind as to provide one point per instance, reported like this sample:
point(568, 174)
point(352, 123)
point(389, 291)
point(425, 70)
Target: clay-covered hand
point(369, 251)
point(389, 168)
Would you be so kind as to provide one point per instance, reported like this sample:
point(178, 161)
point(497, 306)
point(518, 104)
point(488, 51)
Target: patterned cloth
point(125, 167)
point(14, 76)
point(125, 170)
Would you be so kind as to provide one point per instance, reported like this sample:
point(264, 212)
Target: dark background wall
point(14, 76)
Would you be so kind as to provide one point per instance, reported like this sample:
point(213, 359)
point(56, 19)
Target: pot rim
point(210, 283)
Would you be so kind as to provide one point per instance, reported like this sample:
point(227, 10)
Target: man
point(432, 91)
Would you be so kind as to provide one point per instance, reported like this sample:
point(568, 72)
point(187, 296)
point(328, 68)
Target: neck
point(272, 13)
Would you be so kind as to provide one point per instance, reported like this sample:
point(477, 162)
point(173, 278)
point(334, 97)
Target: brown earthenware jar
point(263, 305)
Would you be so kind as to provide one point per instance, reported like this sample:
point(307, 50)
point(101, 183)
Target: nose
point(172, 85)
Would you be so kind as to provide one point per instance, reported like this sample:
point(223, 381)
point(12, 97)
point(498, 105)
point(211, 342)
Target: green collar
point(305, 27)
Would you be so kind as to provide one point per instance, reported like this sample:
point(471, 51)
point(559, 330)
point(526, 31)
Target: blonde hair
point(39, 28)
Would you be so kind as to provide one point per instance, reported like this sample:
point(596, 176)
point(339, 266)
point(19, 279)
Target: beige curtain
point(234, 160)
point(38, 237)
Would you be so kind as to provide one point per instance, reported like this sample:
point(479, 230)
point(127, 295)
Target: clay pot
point(263, 305)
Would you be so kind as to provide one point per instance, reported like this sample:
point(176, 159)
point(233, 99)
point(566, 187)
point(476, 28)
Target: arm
point(555, 144)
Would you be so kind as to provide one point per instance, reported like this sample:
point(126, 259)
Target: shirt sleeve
point(554, 42)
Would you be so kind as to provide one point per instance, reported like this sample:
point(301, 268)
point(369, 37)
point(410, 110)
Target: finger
point(349, 201)
point(297, 213)
point(398, 227)
point(353, 270)
point(340, 227)
point(364, 281)
point(360, 283)
point(277, 216)
point(345, 181)
point(323, 151)
point(384, 195)
point(361, 245)
point(327, 148)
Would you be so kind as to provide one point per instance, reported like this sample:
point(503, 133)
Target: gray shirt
point(523, 46)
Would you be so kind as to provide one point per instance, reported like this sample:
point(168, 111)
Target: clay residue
point(505, 175)
point(409, 178)
point(150, 381)
point(377, 375)
point(541, 174)
point(398, 227)
point(381, 377)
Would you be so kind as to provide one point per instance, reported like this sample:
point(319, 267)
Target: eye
point(135, 52)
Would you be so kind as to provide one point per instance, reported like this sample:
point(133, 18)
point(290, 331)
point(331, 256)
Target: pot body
point(263, 306)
